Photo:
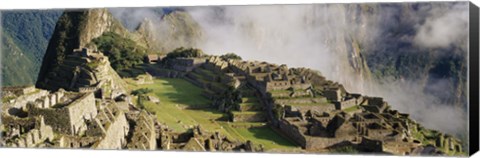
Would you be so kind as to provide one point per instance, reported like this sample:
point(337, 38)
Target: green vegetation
point(134, 71)
point(7, 99)
point(141, 96)
point(430, 137)
point(250, 100)
point(123, 53)
point(263, 135)
point(178, 97)
point(142, 91)
point(25, 36)
point(175, 95)
point(62, 42)
point(185, 53)
point(230, 56)
point(230, 100)
point(18, 68)
point(278, 111)
point(352, 109)
point(93, 64)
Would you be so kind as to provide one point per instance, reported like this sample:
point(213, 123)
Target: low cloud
point(326, 37)
point(444, 27)
point(322, 36)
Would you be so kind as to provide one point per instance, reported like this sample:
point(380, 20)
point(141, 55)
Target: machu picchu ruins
point(92, 109)
point(92, 95)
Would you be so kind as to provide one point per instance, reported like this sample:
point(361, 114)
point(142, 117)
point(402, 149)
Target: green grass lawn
point(260, 135)
point(265, 136)
point(174, 95)
point(177, 93)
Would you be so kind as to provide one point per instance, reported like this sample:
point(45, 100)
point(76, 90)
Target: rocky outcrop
point(75, 29)
point(85, 71)
point(176, 29)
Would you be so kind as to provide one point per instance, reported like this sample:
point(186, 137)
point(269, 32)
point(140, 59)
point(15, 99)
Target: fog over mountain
point(350, 44)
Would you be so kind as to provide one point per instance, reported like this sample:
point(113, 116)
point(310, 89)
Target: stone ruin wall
point(448, 143)
point(277, 85)
point(216, 64)
point(398, 147)
point(303, 109)
point(300, 100)
point(87, 89)
point(167, 73)
point(39, 134)
point(378, 133)
point(80, 110)
point(375, 101)
point(293, 132)
point(346, 104)
point(334, 95)
point(22, 100)
point(59, 119)
point(284, 85)
point(19, 90)
point(75, 142)
point(303, 93)
point(144, 136)
point(186, 64)
point(68, 119)
point(319, 143)
point(319, 126)
point(254, 117)
point(115, 134)
point(16, 122)
point(47, 100)
point(346, 130)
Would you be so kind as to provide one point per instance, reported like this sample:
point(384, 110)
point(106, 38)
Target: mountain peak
point(75, 29)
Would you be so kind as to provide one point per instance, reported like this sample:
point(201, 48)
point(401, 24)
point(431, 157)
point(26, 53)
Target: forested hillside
point(25, 35)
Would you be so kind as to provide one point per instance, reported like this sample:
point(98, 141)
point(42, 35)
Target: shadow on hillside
point(268, 134)
point(132, 72)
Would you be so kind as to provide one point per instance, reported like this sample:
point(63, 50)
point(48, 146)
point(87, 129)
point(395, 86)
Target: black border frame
point(473, 79)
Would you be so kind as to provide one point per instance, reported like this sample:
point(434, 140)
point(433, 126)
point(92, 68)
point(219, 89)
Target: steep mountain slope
point(25, 37)
point(75, 29)
point(161, 29)
point(416, 75)
point(400, 57)
point(17, 67)
point(172, 30)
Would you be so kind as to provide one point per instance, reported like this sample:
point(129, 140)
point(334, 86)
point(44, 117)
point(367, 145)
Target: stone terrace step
point(205, 74)
point(248, 116)
point(301, 100)
point(312, 104)
point(250, 107)
point(204, 83)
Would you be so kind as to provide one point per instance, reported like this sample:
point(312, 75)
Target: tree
point(123, 53)
point(229, 100)
point(232, 56)
point(185, 53)
point(142, 91)
point(141, 94)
